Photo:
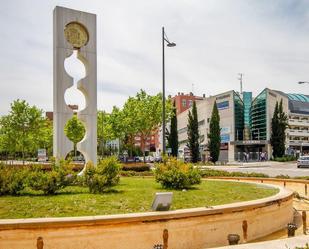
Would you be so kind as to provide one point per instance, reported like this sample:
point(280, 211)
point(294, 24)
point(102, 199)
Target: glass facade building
point(247, 99)
point(259, 117)
point(239, 117)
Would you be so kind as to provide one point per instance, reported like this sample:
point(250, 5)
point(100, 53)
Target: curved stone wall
point(187, 228)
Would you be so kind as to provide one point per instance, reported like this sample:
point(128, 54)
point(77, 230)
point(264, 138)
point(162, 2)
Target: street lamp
point(169, 44)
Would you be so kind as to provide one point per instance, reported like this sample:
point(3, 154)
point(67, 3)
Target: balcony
point(297, 122)
point(298, 133)
point(299, 142)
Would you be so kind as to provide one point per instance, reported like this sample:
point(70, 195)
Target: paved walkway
point(270, 168)
point(288, 243)
point(279, 239)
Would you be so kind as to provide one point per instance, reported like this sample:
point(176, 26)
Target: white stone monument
point(75, 30)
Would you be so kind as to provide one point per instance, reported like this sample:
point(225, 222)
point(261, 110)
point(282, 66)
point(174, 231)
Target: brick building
point(184, 101)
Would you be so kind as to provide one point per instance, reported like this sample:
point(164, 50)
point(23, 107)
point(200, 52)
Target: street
point(270, 168)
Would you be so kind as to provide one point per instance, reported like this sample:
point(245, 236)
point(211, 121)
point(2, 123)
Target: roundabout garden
point(108, 206)
point(59, 192)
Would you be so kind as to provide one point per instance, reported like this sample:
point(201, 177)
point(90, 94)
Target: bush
point(12, 180)
point(174, 174)
point(131, 173)
point(104, 176)
point(50, 181)
point(286, 158)
point(215, 173)
point(283, 176)
point(136, 167)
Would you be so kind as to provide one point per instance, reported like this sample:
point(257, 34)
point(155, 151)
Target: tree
point(173, 133)
point(193, 134)
point(278, 126)
point(214, 139)
point(24, 130)
point(74, 130)
point(142, 114)
point(104, 130)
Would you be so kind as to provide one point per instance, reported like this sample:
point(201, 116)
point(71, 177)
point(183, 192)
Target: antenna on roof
point(240, 81)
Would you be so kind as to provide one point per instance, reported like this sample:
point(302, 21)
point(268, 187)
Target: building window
point(223, 105)
point(190, 103)
point(184, 103)
point(259, 117)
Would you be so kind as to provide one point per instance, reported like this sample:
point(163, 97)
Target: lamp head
point(171, 44)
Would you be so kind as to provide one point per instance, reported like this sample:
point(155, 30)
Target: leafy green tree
point(173, 134)
point(24, 130)
point(105, 130)
point(193, 134)
point(142, 114)
point(130, 123)
point(75, 131)
point(7, 145)
point(279, 123)
point(214, 135)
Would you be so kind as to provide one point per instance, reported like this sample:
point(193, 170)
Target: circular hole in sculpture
point(77, 70)
point(76, 157)
point(75, 99)
point(75, 130)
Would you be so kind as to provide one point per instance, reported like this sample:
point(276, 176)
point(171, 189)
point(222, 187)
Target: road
point(270, 168)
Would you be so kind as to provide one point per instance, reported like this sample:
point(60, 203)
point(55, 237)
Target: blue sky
point(267, 41)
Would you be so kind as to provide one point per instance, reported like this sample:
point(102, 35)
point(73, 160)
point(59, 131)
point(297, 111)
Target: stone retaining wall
point(187, 228)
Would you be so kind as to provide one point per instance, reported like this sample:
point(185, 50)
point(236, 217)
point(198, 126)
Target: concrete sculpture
point(75, 30)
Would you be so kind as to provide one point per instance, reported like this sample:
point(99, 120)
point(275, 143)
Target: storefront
point(256, 150)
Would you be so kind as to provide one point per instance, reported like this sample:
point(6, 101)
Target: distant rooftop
point(298, 103)
point(298, 97)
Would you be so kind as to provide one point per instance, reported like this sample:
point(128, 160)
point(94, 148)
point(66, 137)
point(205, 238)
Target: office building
point(246, 123)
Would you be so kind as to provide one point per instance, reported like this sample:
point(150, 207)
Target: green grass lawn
point(131, 195)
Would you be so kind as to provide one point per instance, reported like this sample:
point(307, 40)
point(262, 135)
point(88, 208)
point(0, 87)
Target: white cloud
point(216, 40)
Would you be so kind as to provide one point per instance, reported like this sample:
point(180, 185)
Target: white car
point(303, 161)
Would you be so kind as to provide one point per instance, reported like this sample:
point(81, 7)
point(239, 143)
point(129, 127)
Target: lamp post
point(102, 150)
point(169, 44)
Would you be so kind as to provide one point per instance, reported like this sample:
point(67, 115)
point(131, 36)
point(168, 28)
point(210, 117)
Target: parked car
point(150, 159)
point(303, 161)
point(158, 159)
point(79, 158)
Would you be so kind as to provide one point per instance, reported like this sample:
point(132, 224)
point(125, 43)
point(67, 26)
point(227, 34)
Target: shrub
point(50, 181)
point(12, 180)
point(215, 173)
point(136, 167)
point(104, 176)
point(283, 176)
point(130, 173)
point(175, 174)
point(286, 158)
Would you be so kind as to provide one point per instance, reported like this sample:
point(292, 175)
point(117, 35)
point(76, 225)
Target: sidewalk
point(256, 164)
point(289, 243)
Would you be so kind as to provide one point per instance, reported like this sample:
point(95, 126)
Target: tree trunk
point(74, 150)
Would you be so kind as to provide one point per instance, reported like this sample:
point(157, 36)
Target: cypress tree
point(278, 126)
point(173, 134)
point(193, 134)
point(214, 137)
point(275, 140)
